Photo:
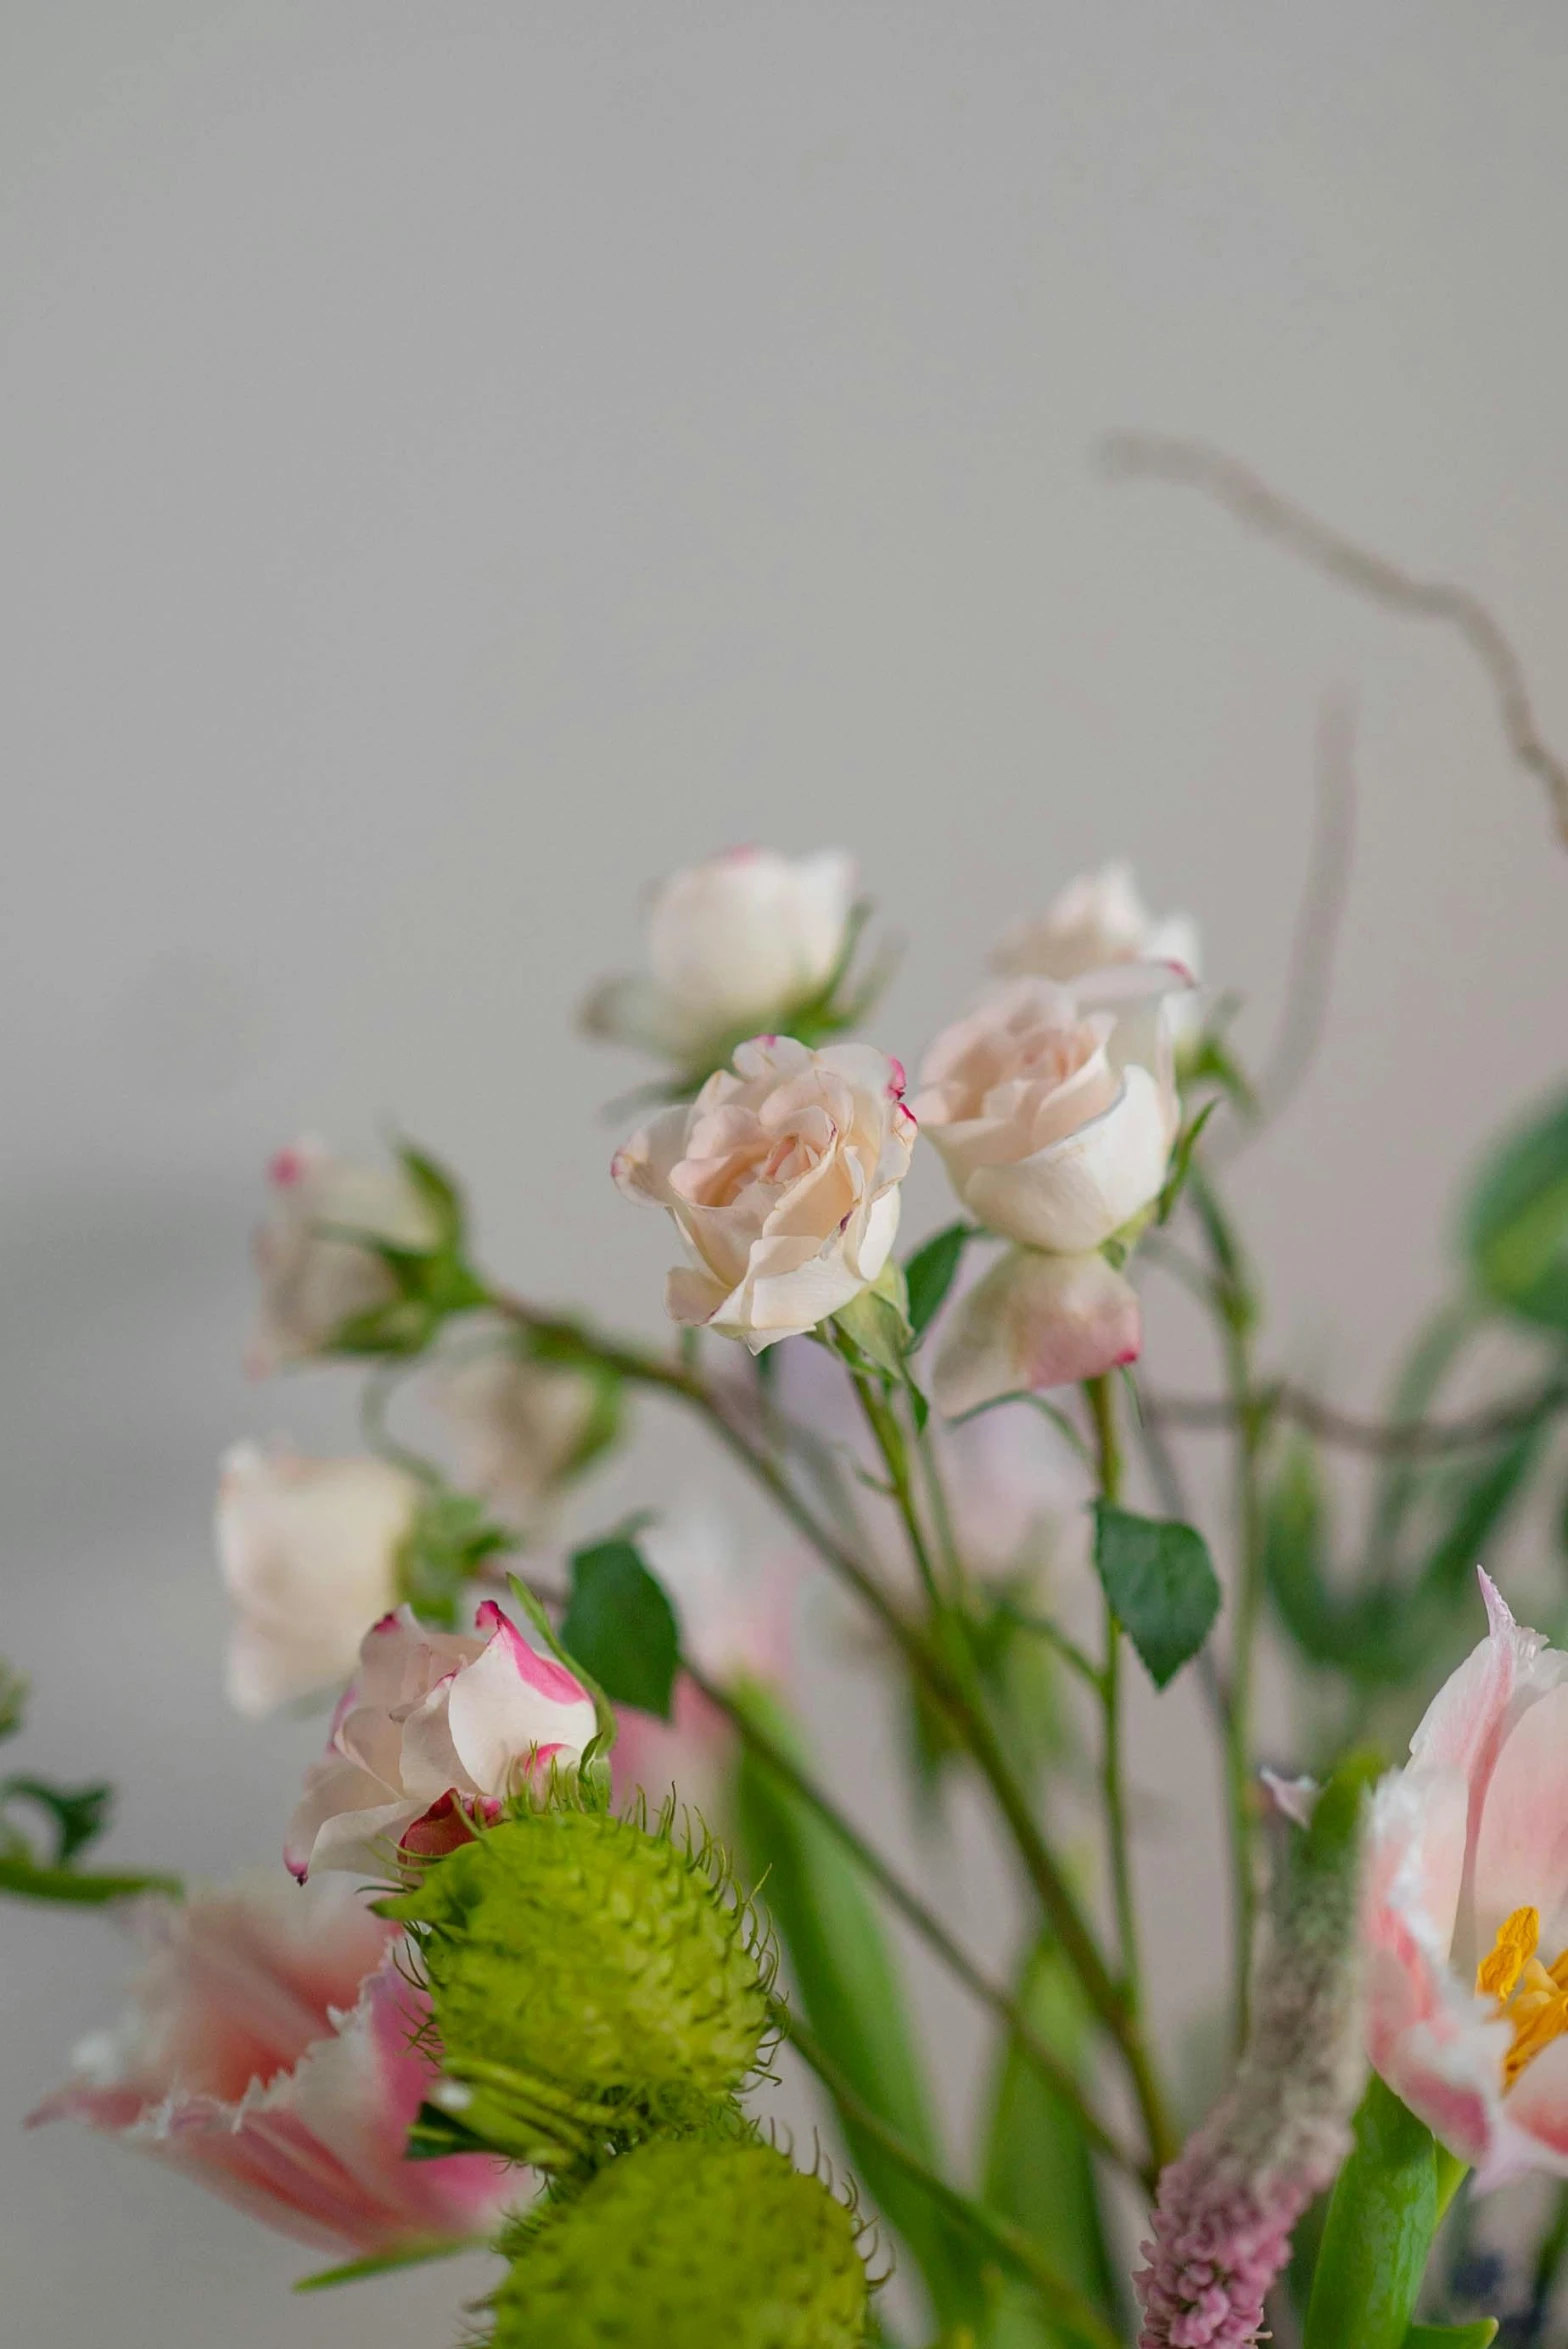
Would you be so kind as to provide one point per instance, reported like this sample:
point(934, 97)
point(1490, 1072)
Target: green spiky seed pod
point(692, 2246)
point(591, 1981)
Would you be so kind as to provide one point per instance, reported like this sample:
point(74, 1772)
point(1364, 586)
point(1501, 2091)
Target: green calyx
point(693, 2246)
point(592, 1982)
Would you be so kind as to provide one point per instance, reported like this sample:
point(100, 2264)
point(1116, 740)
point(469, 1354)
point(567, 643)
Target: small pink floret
point(286, 1168)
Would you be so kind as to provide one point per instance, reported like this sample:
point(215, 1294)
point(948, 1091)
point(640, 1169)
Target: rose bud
point(309, 1550)
point(740, 943)
point(435, 1733)
point(316, 1276)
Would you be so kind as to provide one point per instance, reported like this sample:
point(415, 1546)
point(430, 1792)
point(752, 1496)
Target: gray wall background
point(463, 459)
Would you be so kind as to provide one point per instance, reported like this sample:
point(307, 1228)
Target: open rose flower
point(314, 1276)
point(524, 1427)
point(309, 1550)
point(268, 2054)
point(782, 1178)
point(1055, 1108)
point(436, 1730)
point(1467, 1910)
point(741, 942)
point(1098, 919)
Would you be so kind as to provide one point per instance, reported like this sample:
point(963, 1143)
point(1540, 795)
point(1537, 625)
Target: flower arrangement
point(569, 1880)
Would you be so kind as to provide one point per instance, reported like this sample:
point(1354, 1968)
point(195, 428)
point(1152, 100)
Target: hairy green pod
point(692, 2246)
point(590, 1980)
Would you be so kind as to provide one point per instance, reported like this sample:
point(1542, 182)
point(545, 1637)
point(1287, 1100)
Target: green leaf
point(381, 2263)
point(930, 1273)
point(80, 1814)
point(877, 1322)
point(1473, 2336)
point(78, 1887)
point(1381, 2221)
point(1516, 1225)
point(1436, 1348)
point(848, 1986)
point(622, 1626)
point(1037, 2169)
point(450, 1539)
point(13, 1699)
point(1162, 1588)
point(439, 1193)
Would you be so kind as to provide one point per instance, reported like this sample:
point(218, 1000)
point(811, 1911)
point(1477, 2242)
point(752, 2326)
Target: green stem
point(915, 1912)
point(1008, 2243)
point(1047, 1876)
point(1233, 1300)
point(1102, 1404)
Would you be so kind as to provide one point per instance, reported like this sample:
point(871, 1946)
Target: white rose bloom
point(313, 1279)
point(1098, 919)
point(521, 1426)
point(739, 943)
point(782, 1178)
point(309, 1552)
point(1055, 1108)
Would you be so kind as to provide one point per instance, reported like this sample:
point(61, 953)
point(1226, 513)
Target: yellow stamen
point(1533, 1997)
point(1499, 1971)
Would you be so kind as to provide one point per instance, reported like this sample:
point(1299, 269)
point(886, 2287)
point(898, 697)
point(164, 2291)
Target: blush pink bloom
point(1054, 1109)
point(1035, 1321)
point(1098, 919)
point(740, 942)
point(1467, 1909)
point(523, 1427)
point(314, 1276)
point(433, 1734)
point(782, 1178)
point(268, 2055)
point(310, 1552)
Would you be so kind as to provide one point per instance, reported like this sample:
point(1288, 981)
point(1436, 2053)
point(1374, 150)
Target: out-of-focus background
point(461, 461)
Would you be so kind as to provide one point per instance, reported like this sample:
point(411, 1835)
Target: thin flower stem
point(1068, 1649)
point(920, 1917)
point(1102, 1404)
point(1065, 2302)
point(1046, 1874)
point(1235, 1308)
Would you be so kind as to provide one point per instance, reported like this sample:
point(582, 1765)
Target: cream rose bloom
point(1098, 919)
point(741, 942)
point(782, 1178)
point(309, 1550)
point(313, 1278)
point(1055, 1108)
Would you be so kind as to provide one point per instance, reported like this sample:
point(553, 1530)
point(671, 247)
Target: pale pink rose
point(522, 1427)
point(1098, 919)
point(1467, 1910)
point(437, 1729)
point(268, 2054)
point(1055, 1109)
point(314, 1277)
point(1035, 1321)
point(734, 1612)
point(309, 1550)
point(782, 1178)
point(741, 942)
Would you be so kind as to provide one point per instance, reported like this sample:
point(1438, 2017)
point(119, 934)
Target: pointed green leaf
point(1381, 2221)
point(622, 1626)
point(1038, 2171)
point(930, 1273)
point(848, 1986)
point(13, 1699)
point(439, 1193)
point(1516, 1227)
point(1162, 1588)
point(1473, 2336)
point(78, 1887)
